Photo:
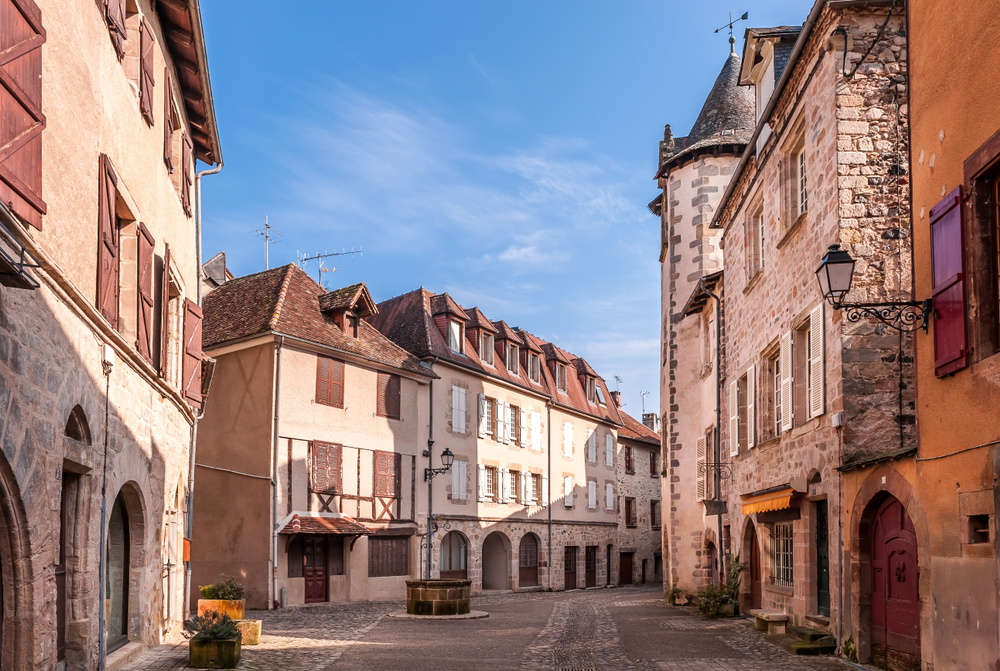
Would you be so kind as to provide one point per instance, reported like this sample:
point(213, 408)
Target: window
point(351, 325)
point(803, 197)
point(592, 446)
point(600, 396)
point(535, 483)
point(654, 514)
point(387, 469)
point(455, 336)
point(707, 341)
point(769, 396)
point(755, 241)
point(609, 450)
point(609, 496)
point(742, 421)
point(591, 390)
point(329, 382)
point(806, 383)
point(388, 556)
point(654, 472)
point(325, 470)
point(515, 493)
point(781, 545)
point(561, 377)
point(534, 367)
point(486, 347)
point(515, 425)
point(568, 491)
point(459, 480)
point(979, 265)
point(793, 177)
point(457, 409)
point(388, 396)
point(592, 495)
point(629, 459)
point(631, 520)
point(488, 483)
point(512, 361)
point(490, 410)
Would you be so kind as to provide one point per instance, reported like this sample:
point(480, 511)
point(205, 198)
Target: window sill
point(769, 443)
point(754, 281)
point(791, 230)
point(778, 589)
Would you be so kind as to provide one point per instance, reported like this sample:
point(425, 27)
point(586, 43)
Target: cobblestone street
point(628, 628)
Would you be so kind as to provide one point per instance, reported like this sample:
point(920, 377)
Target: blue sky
point(500, 151)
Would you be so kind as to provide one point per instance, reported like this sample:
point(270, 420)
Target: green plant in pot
point(215, 641)
point(722, 601)
point(226, 596)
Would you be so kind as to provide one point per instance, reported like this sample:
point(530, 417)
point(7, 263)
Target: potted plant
point(226, 597)
point(215, 642)
point(722, 601)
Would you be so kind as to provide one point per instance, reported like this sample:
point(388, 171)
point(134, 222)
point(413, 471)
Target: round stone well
point(438, 597)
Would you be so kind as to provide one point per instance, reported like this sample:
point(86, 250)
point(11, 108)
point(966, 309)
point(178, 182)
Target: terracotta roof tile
point(636, 430)
point(445, 303)
point(315, 524)
point(505, 332)
point(478, 320)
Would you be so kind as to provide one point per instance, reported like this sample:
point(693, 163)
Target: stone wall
point(646, 538)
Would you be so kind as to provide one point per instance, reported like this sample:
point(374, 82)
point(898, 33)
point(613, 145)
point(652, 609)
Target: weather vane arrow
point(732, 40)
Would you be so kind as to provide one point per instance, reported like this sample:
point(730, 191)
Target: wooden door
point(609, 566)
point(895, 600)
point(822, 560)
point(591, 566)
point(755, 569)
point(528, 562)
point(314, 555)
point(625, 568)
point(643, 571)
point(570, 564)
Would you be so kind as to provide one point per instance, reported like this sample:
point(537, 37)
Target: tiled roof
point(348, 298)
point(314, 524)
point(505, 332)
point(287, 301)
point(408, 321)
point(583, 368)
point(445, 303)
point(635, 430)
point(478, 320)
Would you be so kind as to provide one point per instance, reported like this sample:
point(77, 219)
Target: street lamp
point(447, 459)
point(835, 275)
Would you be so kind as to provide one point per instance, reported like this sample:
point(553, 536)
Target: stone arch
point(529, 549)
point(77, 426)
point(752, 554)
point(496, 561)
point(135, 507)
point(881, 484)
point(454, 554)
point(17, 580)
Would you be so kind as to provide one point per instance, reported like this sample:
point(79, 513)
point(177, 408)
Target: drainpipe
point(430, 480)
point(548, 494)
point(274, 477)
point(718, 418)
point(102, 569)
point(189, 532)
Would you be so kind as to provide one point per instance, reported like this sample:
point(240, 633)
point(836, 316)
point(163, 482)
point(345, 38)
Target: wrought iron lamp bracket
point(905, 316)
point(429, 473)
point(725, 470)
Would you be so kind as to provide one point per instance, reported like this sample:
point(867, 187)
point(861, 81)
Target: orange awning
point(765, 502)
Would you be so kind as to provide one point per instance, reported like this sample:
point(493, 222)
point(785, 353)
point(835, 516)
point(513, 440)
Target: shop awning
point(778, 500)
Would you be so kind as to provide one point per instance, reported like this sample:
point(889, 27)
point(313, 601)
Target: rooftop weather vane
point(732, 40)
point(320, 265)
point(268, 241)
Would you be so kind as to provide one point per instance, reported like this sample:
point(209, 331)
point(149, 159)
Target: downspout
point(548, 494)
point(274, 478)
point(718, 417)
point(194, 427)
point(430, 480)
point(102, 569)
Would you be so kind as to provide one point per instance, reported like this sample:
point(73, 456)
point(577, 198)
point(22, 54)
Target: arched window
point(528, 561)
point(77, 427)
point(454, 556)
point(116, 576)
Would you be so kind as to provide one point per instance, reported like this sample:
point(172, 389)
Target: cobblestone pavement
point(586, 630)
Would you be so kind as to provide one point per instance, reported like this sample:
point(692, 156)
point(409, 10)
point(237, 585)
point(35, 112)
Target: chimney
point(651, 421)
point(616, 396)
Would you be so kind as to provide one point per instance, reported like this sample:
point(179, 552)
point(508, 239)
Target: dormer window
point(534, 367)
point(512, 358)
point(351, 324)
point(600, 396)
point(591, 385)
point(561, 377)
point(455, 336)
point(486, 347)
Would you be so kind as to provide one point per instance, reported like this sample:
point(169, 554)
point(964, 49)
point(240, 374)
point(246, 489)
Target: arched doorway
point(496, 554)
point(895, 602)
point(528, 561)
point(755, 567)
point(454, 556)
point(116, 578)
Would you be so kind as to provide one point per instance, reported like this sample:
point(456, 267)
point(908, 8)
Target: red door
point(895, 598)
point(755, 583)
point(528, 561)
point(314, 555)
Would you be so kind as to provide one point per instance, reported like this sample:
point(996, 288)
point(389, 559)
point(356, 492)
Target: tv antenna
point(268, 241)
point(732, 40)
point(618, 381)
point(320, 260)
point(644, 394)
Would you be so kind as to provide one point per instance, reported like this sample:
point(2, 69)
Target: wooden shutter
point(609, 496)
point(567, 439)
point(482, 482)
point(186, 153)
point(568, 491)
point(734, 418)
point(164, 310)
point(192, 354)
point(785, 361)
point(701, 468)
point(386, 473)
point(463, 479)
point(327, 467)
point(503, 486)
point(591, 494)
point(382, 406)
point(329, 381)
point(545, 490)
point(591, 447)
point(115, 14)
point(948, 274)
point(393, 393)
point(482, 415)
point(816, 368)
point(609, 450)
point(21, 118)
point(536, 431)
point(751, 406)
point(107, 246)
point(168, 121)
point(144, 332)
point(146, 79)
point(457, 409)
point(521, 417)
point(456, 476)
point(322, 380)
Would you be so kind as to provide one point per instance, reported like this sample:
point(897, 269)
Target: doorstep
point(124, 656)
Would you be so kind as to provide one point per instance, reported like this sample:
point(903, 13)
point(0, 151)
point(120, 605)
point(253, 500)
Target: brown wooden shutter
point(164, 311)
point(323, 380)
point(325, 477)
point(168, 121)
point(144, 318)
point(116, 24)
point(186, 176)
point(107, 244)
point(329, 381)
point(947, 270)
point(146, 79)
point(392, 393)
point(382, 404)
point(192, 354)
point(337, 383)
point(21, 118)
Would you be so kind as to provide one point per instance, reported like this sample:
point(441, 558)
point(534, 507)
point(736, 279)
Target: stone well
point(438, 597)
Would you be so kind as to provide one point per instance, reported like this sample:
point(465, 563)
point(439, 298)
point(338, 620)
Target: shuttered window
point(192, 354)
point(750, 407)
point(654, 514)
point(107, 246)
point(388, 556)
point(816, 370)
point(629, 460)
point(388, 395)
point(653, 470)
point(567, 439)
point(592, 495)
point(146, 79)
point(186, 168)
point(785, 373)
point(947, 272)
point(329, 382)
point(164, 310)
point(592, 447)
point(326, 468)
point(21, 118)
point(387, 468)
point(458, 409)
point(568, 491)
point(631, 519)
point(115, 15)
point(609, 496)
point(295, 563)
point(168, 121)
point(700, 464)
point(144, 321)
point(609, 450)
point(459, 479)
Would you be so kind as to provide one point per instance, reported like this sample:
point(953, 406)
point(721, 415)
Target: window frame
point(455, 339)
point(631, 513)
point(512, 357)
point(783, 554)
point(490, 483)
point(561, 377)
point(486, 347)
point(629, 460)
point(392, 380)
point(655, 521)
point(982, 261)
point(801, 185)
point(534, 367)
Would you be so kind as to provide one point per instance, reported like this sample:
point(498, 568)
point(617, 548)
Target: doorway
point(755, 569)
point(116, 578)
point(822, 560)
point(528, 561)
point(624, 568)
point(454, 557)
point(569, 554)
point(608, 572)
point(591, 565)
point(314, 551)
point(496, 553)
point(895, 602)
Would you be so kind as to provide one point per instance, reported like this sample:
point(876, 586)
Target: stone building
point(640, 513)
point(530, 500)
point(810, 394)
point(103, 110)
point(308, 485)
point(692, 173)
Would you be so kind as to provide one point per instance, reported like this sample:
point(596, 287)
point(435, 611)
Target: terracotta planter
point(234, 609)
point(250, 631)
point(224, 654)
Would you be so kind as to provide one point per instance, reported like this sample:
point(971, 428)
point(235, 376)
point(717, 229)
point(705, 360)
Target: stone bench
point(769, 620)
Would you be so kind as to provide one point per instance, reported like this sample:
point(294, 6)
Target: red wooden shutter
point(326, 467)
point(337, 383)
point(146, 80)
point(382, 406)
point(947, 271)
point(192, 354)
point(107, 244)
point(387, 467)
point(168, 121)
point(21, 118)
point(186, 176)
point(323, 380)
point(116, 24)
point(144, 319)
point(164, 310)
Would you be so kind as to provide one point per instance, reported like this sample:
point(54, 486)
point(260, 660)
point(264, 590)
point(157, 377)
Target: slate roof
point(315, 524)
point(286, 301)
point(408, 321)
point(633, 429)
